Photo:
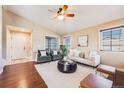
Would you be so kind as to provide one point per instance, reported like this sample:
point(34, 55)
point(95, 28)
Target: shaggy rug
point(56, 79)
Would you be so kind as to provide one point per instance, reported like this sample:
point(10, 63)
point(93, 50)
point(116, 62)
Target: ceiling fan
point(61, 13)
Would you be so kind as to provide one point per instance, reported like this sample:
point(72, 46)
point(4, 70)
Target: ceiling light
point(60, 17)
point(62, 12)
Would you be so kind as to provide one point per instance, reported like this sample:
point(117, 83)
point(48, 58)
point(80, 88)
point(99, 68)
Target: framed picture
point(83, 41)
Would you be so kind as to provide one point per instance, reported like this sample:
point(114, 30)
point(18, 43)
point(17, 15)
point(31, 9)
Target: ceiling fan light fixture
point(62, 13)
point(61, 17)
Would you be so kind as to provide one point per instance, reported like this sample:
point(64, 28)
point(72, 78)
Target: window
point(51, 42)
point(112, 39)
point(67, 41)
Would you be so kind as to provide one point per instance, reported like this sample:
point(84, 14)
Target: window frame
point(49, 45)
point(111, 29)
point(70, 40)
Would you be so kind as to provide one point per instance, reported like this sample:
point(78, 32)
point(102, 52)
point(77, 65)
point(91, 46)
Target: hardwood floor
point(25, 75)
point(119, 79)
point(21, 75)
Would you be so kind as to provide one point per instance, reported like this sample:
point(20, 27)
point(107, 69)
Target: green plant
point(63, 51)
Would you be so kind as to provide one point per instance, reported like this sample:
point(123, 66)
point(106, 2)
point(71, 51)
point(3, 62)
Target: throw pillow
point(43, 53)
point(71, 52)
point(87, 54)
point(76, 53)
point(93, 53)
point(82, 55)
point(55, 52)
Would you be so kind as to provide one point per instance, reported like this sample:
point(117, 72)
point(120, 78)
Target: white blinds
point(112, 39)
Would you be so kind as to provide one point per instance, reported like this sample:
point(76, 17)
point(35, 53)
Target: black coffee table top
point(66, 62)
point(68, 66)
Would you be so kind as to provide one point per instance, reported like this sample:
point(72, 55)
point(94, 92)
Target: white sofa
point(89, 58)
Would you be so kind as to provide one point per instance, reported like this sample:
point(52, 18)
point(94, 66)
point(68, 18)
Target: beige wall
point(0, 34)
point(109, 58)
point(38, 32)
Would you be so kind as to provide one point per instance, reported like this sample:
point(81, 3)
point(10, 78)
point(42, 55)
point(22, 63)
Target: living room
point(82, 34)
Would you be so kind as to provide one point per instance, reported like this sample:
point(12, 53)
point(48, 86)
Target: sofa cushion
point(82, 60)
point(44, 59)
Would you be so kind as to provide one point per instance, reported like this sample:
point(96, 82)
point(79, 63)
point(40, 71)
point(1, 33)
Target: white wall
point(0, 38)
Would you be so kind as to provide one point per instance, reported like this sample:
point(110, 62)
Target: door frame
point(10, 28)
point(1, 64)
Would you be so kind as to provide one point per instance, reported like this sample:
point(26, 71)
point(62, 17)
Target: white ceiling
point(85, 16)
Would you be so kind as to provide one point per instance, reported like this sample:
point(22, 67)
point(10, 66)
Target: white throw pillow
point(55, 52)
point(87, 53)
point(93, 53)
point(76, 53)
point(82, 54)
point(71, 52)
point(43, 53)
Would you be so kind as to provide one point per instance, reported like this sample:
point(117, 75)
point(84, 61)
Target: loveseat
point(43, 56)
point(55, 55)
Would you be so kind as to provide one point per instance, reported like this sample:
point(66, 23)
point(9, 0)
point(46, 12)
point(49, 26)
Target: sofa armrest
point(96, 60)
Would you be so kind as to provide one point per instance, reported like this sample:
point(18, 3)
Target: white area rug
point(56, 79)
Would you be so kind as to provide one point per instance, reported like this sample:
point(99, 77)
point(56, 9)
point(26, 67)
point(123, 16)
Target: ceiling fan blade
point(69, 15)
point(65, 7)
point(51, 11)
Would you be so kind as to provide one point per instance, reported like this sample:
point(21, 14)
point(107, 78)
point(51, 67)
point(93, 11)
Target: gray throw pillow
point(82, 55)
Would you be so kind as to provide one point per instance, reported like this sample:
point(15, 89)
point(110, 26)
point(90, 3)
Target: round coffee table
point(66, 67)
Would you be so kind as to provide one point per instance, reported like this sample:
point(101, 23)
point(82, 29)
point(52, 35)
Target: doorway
point(20, 45)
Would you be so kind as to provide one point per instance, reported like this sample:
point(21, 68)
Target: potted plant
point(63, 51)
